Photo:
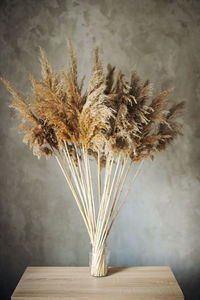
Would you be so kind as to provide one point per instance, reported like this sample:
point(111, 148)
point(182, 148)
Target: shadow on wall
point(190, 287)
point(13, 266)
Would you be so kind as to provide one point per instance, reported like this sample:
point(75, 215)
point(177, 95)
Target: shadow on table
point(113, 270)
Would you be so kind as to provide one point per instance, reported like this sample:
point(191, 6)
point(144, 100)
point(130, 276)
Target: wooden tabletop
point(122, 283)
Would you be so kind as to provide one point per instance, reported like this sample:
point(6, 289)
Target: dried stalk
point(66, 175)
point(117, 124)
point(99, 176)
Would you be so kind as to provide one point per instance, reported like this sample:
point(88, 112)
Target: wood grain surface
point(59, 283)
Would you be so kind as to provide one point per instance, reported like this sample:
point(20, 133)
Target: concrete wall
point(159, 225)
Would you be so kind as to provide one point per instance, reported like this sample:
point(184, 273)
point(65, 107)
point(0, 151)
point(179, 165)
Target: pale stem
point(92, 193)
point(78, 178)
point(121, 185)
point(104, 189)
point(75, 177)
point(99, 176)
point(104, 201)
point(104, 231)
point(82, 179)
point(104, 221)
point(66, 175)
point(91, 208)
point(124, 199)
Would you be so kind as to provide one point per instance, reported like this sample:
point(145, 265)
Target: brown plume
point(110, 117)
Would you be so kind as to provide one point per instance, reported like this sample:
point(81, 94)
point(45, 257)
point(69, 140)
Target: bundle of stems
point(98, 213)
point(112, 123)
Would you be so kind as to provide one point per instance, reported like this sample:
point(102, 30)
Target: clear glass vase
point(99, 261)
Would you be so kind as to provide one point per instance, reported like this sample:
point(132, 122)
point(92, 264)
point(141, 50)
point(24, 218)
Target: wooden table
point(122, 283)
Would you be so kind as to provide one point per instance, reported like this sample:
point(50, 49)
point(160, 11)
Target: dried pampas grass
point(115, 121)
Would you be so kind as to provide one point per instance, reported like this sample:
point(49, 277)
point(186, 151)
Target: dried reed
point(114, 122)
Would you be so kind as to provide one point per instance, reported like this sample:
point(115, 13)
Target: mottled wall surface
point(159, 225)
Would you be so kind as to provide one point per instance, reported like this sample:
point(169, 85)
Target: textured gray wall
point(159, 225)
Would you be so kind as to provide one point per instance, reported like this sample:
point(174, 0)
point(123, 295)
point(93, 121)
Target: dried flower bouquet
point(113, 122)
